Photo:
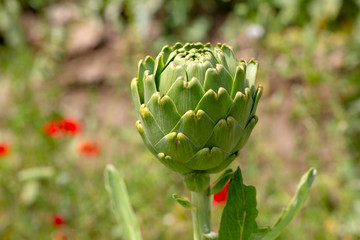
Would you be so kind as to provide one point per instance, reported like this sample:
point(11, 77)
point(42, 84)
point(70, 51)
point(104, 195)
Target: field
point(66, 112)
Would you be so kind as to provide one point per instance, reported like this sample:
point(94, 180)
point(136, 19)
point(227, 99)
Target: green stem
point(202, 215)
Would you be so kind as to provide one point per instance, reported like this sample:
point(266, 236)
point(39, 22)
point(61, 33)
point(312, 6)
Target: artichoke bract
point(196, 106)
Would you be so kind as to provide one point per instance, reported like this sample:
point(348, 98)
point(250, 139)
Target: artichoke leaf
point(247, 131)
point(239, 80)
point(257, 99)
point(164, 111)
point(174, 165)
point(144, 65)
point(140, 129)
point(218, 77)
point(250, 75)
point(151, 128)
point(226, 134)
point(196, 127)
point(176, 145)
point(243, 104)
point(149, 86)
point(215, 105)
point(224, 164)
point(135, 95)
point(185, 94)
point(207, 158)
point(170, 74)
point(228, 59)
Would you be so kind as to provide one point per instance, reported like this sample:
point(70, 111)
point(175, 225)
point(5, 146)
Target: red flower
point(4, 149)
point(220, 197)
point(89, 148)
point(71, 126)
point(52, 129)
point(58, 219)
point(65, 126)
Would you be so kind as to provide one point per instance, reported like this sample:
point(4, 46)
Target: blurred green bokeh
point(76, 59)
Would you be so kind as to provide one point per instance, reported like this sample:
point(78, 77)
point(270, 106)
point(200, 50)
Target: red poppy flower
point(52, 129)
point(70, 126)
point(58, 219)
point(4, 149)
point(65, 126)
point(220, 197)
point(89, 148)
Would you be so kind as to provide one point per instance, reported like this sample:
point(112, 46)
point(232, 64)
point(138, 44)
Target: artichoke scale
point(227, 58)
point(243, 104)
point(215, 105)
point(185, 94)
point(135, 95)
point(144, 65)
point(226, 134)
point(170, 74)
point(239, 79)
point(149, 86)
point(216, 78)
point(207, 158)
point(169, 162)
point(176, 145)
point(197, 127)
point(140, 129)
point(250, 75)
point(247, 131)
point(164, 111)
point(151, 128)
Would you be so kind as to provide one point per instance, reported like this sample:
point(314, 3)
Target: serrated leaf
point(121, 205)
point(184, 202)
point(292, 209)
point(220, 183)
point(238, 218)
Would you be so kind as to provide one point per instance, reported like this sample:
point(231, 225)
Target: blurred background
point(66, 111)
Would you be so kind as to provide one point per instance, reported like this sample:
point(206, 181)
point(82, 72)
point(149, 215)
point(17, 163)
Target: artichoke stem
point(202, 215)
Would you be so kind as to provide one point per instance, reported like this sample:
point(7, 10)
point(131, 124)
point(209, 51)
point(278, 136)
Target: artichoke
point(196, 106)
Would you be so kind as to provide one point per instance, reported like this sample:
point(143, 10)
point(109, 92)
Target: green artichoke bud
point(196, 106)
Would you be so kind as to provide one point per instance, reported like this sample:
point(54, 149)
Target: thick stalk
point(202, 215)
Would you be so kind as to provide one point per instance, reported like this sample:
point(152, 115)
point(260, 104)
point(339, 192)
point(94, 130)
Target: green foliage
point(121, 205)
point(238, 220)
